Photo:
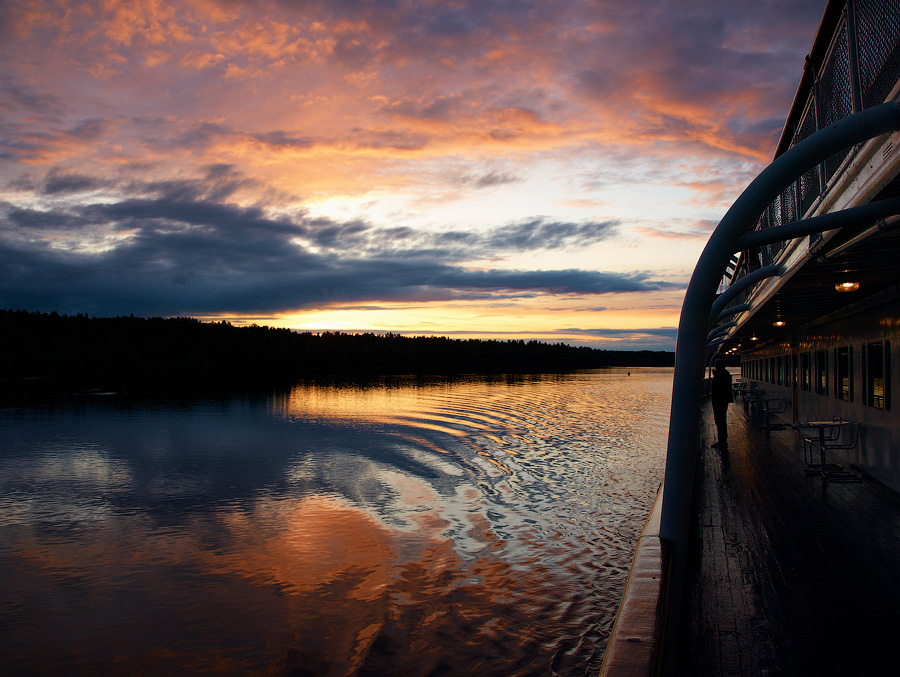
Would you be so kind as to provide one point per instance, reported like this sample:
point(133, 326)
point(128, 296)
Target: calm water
point(403, 526)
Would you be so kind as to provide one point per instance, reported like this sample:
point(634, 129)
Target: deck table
point(822, 427)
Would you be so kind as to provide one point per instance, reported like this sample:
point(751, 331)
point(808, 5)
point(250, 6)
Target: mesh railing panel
point(789, 210)
point(770, 251)
point(878, 39)
point(809, 189)
point(835, 98)
point(809, 182)
point(775, 213)
point(878, 44)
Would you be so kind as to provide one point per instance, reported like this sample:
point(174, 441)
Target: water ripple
point(398, 526)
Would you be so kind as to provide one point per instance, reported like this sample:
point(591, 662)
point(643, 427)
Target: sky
point(493, 169)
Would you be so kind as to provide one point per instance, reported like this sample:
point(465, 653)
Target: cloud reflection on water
point(325, 529)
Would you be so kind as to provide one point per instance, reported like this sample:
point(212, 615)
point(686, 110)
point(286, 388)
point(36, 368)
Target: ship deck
point(791, 575)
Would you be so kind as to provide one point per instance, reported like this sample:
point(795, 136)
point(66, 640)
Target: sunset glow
point(471, 169)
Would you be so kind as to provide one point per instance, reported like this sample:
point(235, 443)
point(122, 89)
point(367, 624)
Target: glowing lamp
point(846, 286)
point(778, 323)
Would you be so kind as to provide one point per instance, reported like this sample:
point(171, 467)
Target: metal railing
point(860, 69)
point(700, 303)
point(842, 109)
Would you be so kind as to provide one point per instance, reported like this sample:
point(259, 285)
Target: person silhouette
point(722, 396)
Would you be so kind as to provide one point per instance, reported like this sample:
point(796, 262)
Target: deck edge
point(635, 643)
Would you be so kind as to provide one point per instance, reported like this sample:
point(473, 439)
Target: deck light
point(846, 286)
point(778, 323)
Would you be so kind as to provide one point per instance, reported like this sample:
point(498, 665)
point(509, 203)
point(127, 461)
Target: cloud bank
point(178, 250)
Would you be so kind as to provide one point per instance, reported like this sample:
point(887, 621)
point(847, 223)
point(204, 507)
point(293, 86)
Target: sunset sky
point(495, 169)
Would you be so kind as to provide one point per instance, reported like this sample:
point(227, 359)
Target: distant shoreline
point(131, 354)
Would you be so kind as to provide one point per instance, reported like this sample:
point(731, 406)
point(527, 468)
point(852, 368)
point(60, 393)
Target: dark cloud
point(35, 222)
point(544, 234)
point(19, 145)
point(206, 134)
point(662, 332)
point(88, 130)
point(532, 235)
point(495, 179)
point(58, 182)
point(282, 139)
point(188, 273)
point(433, 108)
point(342, 236)
point(17, 96)
point(219, 182)
point(198, 257)
point(551, 281)
point(653, 338)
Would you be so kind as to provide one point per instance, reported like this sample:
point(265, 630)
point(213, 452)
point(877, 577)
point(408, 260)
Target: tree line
point(134, 354)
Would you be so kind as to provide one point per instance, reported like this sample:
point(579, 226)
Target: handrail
point(871, 211)
point(684, 421)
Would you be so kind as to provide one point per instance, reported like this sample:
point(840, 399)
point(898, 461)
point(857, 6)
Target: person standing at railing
point(722, 396)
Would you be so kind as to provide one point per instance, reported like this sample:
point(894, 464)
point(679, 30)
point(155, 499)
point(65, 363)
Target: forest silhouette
point(133, 354)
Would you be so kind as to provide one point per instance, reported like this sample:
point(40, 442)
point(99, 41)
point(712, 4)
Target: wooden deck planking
point(793, 575)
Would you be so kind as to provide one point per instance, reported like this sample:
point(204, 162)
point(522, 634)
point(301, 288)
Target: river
point(396, 526)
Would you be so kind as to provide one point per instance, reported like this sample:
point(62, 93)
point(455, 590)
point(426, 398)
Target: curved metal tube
point(719, 330)
point(748, 280)
point(719, 341)
point(734, 310)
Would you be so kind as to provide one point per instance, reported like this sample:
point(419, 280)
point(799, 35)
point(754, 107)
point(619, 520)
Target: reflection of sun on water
point(374, 404)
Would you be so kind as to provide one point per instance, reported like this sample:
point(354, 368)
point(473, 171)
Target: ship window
point(842, 379)
point(876, 375)
point(805, 372)
point(822, 372)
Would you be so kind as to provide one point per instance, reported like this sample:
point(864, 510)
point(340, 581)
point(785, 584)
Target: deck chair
point(809, 443)
point(775, 409)
point(851, 443)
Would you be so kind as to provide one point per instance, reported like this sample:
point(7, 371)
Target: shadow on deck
point(790, 574)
